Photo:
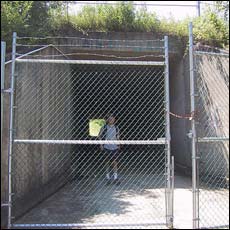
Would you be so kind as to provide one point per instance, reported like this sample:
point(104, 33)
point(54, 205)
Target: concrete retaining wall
point(32, 179)
point(213, 114)
point(119, 41)
point(180, 104)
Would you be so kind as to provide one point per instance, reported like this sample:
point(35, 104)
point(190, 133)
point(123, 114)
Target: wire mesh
point(86, 197)
point(212, 104)
point(96, 46)
point(64, 184)
point(57, 101)
point(94, 43)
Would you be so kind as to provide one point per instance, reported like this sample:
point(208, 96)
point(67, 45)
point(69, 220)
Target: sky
point(178, 12)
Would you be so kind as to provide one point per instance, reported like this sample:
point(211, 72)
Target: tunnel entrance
point(134, 94)
point(59, 161)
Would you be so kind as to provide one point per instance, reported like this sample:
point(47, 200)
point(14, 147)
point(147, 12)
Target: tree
point(40, 17)
point(223, 8)
point(28, 18)
point(14, 17)
point(211, 28)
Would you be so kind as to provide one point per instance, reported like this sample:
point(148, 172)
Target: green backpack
point(95, 126)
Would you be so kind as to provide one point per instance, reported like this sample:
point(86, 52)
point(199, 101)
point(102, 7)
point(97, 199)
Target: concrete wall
point(119, 41)
point(4, 150)
point(180, 104)
point(212, 105)
point(37, 116)
point(33, 175)
point(213, 114)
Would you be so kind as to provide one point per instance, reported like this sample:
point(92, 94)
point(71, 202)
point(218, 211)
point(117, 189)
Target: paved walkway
point(139, 199)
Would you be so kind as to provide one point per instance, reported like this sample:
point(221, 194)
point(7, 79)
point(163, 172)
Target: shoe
point(116, 182)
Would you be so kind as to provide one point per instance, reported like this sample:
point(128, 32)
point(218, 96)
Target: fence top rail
point(211, 53)
point(94, 39)
point(95, 62)
point(91, 225)
point(212, 139)
point(93, 142)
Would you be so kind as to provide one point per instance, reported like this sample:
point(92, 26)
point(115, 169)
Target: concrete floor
point(137, 200)
point(183, 202)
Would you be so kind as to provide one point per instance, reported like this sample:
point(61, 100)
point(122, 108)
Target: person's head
point(111, 120)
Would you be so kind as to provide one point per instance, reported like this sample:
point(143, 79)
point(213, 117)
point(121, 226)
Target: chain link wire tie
point(7, 90)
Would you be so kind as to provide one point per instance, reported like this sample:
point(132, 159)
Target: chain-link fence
point(212, 104)
point(60, 174)
point(209, 72)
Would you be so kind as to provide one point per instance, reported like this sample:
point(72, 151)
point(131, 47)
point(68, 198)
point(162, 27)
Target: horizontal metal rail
point(5, 205)
point(87, 225)
point(94, 62)
point(93, 142)
point(94, 54)
point(135, 4)
point(211, 53)
point(93, 39)
point(212, 139)
point(216, 227)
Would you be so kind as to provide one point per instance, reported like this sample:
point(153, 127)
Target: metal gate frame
point(169, 164)
point(193, 134)
point(195, 139)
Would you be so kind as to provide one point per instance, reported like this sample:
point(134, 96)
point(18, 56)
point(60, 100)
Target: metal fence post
point(3, 55)
point(172, 187)
point(194, 159)
point(198, 8)
point(10, 146)
point(168, 137)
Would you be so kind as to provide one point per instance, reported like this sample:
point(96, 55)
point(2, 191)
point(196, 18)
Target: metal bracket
point(196, 219)
point(197, 158)
point(195, 94)
point(7, 90)
point(170, 222)
point(190, 134)
point(5, 205)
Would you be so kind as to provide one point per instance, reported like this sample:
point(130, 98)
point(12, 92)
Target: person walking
point(110, 131)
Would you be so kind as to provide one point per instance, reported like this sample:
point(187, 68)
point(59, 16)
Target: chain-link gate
point(211, 126)
point(58, 170)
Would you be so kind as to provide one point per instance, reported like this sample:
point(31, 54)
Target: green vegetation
point(28, 18)
point(42, 18)
point(212, 28)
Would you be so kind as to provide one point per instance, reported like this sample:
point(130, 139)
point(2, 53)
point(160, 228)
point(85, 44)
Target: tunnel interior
point(135, 96)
